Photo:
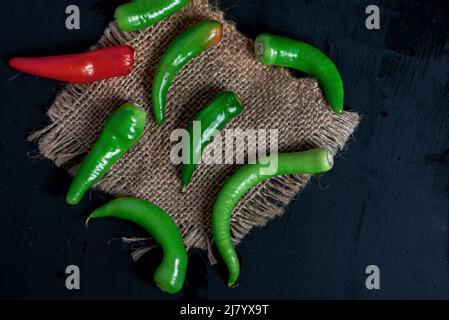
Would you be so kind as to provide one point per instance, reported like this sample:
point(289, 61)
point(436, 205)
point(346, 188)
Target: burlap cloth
point(272, 99)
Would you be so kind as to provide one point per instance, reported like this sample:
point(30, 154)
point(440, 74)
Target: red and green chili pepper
point(308, 162)
point(285, 52)
point(170, 274)
point(139, 14)
point(85, 67)
point(213, 118)
point(121, 131)
point(187, 46)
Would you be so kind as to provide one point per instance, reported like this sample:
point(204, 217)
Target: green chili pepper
point(308, 162)
point(121, 131)
point(170, 274)
point(213, 118)
point(285, 52)
point(187, 46)
point(139, 14)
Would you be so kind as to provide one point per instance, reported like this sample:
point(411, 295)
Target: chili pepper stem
point(330, 159)
point(213, 118)
point(119, 134)
point(95, 65)
point(188, 45)
point(170, 275)
point(136, 15)
point(259, 48)
point(314, 161)
point(288, 53)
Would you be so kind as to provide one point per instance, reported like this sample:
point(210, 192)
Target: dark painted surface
point(386, 202)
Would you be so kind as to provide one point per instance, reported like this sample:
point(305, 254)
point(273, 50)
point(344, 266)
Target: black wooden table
point(385, 204)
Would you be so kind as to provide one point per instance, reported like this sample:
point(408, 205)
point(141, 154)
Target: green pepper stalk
point(121, 131)
point(187, 46)
point(139, 14)
point(170, 274)
point(309, 162)
point(213, 118)
point(289, 53)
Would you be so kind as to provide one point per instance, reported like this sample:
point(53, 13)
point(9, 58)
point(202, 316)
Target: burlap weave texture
point(272, 99)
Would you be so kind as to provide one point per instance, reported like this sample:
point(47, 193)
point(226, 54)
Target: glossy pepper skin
point(139, 14)
point(121, 131)
point(309, 162)
point(170, 275)
point(211, 119)
point(85, 67)
point(289, 53)
point(187, 46)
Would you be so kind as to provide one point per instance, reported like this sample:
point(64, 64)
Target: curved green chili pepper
point(308, 162)
point(139, 14)
point(121, 131)
point(213, 118)
point(170, 274)
point(187, 46)
point(285, 52)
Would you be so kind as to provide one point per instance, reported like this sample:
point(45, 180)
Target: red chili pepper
point(81, 68)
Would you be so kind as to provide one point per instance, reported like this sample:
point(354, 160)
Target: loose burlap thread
point(272, 99)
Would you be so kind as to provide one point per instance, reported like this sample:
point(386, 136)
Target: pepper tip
point(71, 201)
point(14, 62)
point(337, 108)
